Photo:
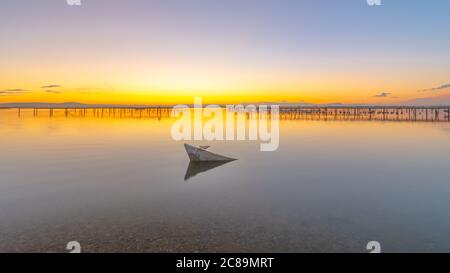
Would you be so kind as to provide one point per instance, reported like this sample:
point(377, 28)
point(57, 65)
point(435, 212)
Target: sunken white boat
point(200, 154)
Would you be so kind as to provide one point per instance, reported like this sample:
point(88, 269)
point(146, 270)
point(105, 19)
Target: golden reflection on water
point(96, 123)
point(122, 127)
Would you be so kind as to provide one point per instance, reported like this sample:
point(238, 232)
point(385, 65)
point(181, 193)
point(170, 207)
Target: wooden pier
point(380, 113)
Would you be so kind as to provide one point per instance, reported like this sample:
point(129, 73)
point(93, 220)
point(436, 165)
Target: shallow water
point(118, 185)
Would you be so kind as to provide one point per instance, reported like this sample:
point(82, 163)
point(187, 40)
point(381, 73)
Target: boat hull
point(197, 154)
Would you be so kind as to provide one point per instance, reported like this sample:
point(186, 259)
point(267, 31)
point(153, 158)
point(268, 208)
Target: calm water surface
point(118, 185)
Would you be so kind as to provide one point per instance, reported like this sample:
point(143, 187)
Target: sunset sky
point(228, 51)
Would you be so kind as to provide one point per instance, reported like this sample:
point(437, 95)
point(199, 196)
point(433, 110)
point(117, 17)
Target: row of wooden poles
point(104, 112)
point(360, 113)
point(286, 113)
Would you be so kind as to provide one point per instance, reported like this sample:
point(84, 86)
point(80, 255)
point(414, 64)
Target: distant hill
point(65, 105)
point(442, 101)
point(82, 105)
point(42, 105)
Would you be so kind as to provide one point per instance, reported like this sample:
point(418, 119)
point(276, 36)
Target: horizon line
point(27, 105)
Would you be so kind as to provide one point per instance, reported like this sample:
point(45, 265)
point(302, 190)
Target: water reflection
point(113, 184)
point(195, 168)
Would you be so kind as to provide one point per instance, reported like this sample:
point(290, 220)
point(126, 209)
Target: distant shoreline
point(75, 105)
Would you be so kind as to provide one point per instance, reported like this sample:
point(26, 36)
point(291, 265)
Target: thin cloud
point(444, 86)
point(53, 91)
point(15, 91)
point(51, 86)
point(383, 95)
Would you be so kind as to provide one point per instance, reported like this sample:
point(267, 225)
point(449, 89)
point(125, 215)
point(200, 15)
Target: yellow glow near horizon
point(175, 83)
point(119, 95)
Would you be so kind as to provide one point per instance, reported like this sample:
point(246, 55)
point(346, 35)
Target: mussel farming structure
point(380, 113)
